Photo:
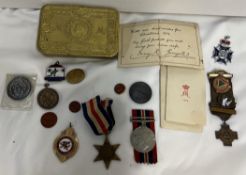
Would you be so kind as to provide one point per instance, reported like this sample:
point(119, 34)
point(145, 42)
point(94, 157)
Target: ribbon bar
point(139, 118)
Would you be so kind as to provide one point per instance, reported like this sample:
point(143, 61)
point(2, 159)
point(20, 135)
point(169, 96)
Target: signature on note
point(148, 54)
point(174, 54)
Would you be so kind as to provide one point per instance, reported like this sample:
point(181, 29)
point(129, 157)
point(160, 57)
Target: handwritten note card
point(160, 42)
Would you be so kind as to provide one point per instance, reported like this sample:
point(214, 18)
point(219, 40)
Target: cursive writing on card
point(145, 42)
point(160, 42)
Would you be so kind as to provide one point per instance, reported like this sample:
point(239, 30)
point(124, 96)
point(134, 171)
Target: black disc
point(140, 92)
point(19, 88)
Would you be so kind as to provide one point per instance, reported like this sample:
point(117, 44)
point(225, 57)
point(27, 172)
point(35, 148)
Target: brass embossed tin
point(78, 31)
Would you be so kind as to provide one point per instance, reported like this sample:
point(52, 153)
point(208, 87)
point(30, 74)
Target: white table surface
point(26, 147)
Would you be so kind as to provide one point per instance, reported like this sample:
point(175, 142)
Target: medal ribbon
point(99, 115)
point(151, 156)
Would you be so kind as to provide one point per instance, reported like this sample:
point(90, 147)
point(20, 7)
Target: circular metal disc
point(48, 119)
point(19, 88)
point(140, 92)
point(143, 139)
point(48, 98)
point(221, 85)
point(75, 76)
point(119, 88)
point(65, 145)
point(74, 106)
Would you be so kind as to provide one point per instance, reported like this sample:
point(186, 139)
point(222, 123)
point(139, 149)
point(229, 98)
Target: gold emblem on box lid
point(78, 31)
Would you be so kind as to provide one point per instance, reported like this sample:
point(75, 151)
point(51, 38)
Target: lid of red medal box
point(201, 7)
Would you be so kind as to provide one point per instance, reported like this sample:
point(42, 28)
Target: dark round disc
point(48, 119)
point(74, 106)
point(119, 88)
point(19, 88)
point(140, 92)
point(48, 98)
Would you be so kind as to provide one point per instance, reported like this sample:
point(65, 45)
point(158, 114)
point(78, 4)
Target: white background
point(26, 147)
point(205, 7)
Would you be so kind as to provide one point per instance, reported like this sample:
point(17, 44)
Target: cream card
point(182, 98)
point(183, 127)
point(160, 42)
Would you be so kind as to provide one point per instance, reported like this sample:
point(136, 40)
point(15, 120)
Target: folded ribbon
point(99, 115)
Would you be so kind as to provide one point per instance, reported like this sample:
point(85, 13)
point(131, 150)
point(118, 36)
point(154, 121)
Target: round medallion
point(140, 92)
point(119, 88)
point(75, 76)
point(48, 98)
point(221, 84)
point(74, 106)
point(143, 139)
point(48, 119)
point(65, 145)
point(19, 88)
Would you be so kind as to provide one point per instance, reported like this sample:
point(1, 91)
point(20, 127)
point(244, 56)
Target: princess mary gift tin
point(78, 31)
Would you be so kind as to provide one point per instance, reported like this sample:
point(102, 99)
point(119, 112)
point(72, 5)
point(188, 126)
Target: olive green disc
point(75, 76)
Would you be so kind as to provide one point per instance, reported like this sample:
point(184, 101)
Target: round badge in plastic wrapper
point(18, 93)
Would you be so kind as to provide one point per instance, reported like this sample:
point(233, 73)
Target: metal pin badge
point(55, 72)
point(66, 144)
point(222, 52)
point(222, 104)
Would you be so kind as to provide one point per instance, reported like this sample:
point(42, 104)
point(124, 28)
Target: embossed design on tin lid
point(78, 31)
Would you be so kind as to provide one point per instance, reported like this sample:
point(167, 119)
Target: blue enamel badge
point(223, 53)
point(55, 72)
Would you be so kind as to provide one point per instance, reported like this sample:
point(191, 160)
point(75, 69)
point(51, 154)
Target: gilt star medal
point(106, 152)
point(98, 114)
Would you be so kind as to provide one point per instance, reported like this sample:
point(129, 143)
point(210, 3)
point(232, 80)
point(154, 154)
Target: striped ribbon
point(151, 156)
point(99, 115)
